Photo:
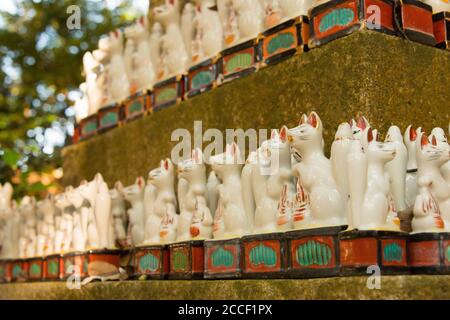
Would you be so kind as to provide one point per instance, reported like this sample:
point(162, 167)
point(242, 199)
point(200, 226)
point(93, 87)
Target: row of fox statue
point(287, 183)
point(177, 40)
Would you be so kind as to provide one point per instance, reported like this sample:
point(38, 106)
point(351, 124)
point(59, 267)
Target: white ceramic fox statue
point(411, 187)
point(340, 149)
point(272, 13)
point(373, 214)
point(442, 141)
point(316, 174)
point(80, 219)
point(119, 213)
point(209, 31)
point(397, 168)
point(195, 221)
point(28, 239)
point(47, 208)
point(96, 86)
point(187, 29)
point(175, 58)
point(250, 18)
point(213, 192)
point(89, 192)
point(143, 73)
point(135, 195)
point(438, 5)
point(295, 8)
point(112, 47)
point(9, 216)
point(230, 219)
point(163, 179)
point(270, 176)
point(155, 50)
point(229, 19)
point(81, 105)
point(103, 215)
point(433, 200)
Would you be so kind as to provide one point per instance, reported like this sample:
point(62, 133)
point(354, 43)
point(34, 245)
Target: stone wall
point(388, 79)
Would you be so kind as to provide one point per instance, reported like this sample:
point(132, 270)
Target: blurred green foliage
point(41, 67)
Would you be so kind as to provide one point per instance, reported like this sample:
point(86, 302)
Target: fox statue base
point(416, 21)
point(168, 92)
point(35, 269)
point(360, 250)
point(201, 77)
point(137, 105)
point(88, 127)
point(313, 253)
point(5, 271)
point(151, 262)
point(52, 270)
point(81, 262)
point(429, 253)
point(239, 61)
point(265, 256)
point(441, 27)
point(284, 40)
point(353, 16)
point(109, 117)
point(187, 260)
point(223, 259)
point(19, 270)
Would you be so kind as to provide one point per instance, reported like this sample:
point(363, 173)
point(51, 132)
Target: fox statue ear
point(314, 119)
point(303, 119)
point(433, 140)
point(412, 134)
point(274, 133)
point(140, 182)
point(142, 21)
point(424, 140)
point(283, 133)
point(362, 123)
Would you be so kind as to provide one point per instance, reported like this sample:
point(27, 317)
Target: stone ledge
point(392, 287)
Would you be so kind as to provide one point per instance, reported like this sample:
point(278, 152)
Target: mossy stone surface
point(388, 79)
point(392, 287)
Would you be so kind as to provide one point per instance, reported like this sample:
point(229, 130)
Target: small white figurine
point(119, 213)
point(340, 150)
point(229, 19)
point(213, 192)
point(187, 29)
point(111, 48)
point(373, 215)
point(195, 221)
point(47, 208)
point(230, 219)
point(409, 139)
point(163, 179)
point(142, 75)
point(174, 55)
point(432, 204)
point(295, 8)
point(442, 141)
point(89, 192)
point(315, 173)
point(135, 195)
point(96, 86)
point(397, 168)
point(64, 235)
point(81, 105)
point(270, 177)
point(103, 215)
point(272, 13)
point(27, 210)
point(155, 50)
point(250, 18)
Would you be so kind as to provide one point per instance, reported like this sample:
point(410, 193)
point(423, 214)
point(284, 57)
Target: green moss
point(388, 79)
